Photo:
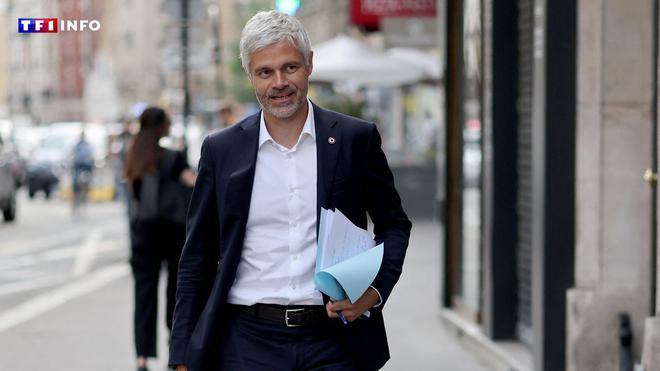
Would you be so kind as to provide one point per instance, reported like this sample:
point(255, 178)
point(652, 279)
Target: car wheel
point(10, 212)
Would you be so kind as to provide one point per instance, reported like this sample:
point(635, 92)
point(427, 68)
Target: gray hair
point(271, 27)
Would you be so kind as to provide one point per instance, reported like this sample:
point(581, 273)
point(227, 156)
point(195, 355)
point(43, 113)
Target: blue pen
point(342, 318)
point(340, 314)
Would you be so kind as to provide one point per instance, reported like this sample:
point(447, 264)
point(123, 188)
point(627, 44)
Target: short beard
point(282, 112)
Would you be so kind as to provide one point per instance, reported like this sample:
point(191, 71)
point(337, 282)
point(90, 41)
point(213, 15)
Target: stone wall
point(612, 201)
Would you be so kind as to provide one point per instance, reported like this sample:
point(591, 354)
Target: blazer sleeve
point(197, 265)
point(391, 224)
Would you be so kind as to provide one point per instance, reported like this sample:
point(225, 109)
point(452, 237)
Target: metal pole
point(625, 343)
point(214, 15)
point(218, 60)
point(654, 164)
point(184, 65)
point(454, 142)
point(217, 56)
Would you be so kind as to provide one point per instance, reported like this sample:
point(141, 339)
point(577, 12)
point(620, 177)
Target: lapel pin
point(331, 140)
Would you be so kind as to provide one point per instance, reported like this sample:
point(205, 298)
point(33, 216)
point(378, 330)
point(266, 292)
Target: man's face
point(280, 79)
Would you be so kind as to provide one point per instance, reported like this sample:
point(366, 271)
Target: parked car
point(41, 177)
point(50, 160)
point(8, 181)
point(46, 165)
point(12, 152)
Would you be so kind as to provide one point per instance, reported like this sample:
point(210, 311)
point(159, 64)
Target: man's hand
point(353, 311)
point(181, 368)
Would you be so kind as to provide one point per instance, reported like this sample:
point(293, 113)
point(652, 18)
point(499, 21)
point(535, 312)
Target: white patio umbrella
point(430, 63)
point(347, 61)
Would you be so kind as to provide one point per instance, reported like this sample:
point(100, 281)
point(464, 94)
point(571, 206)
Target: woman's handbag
point(173, 196)
point(161, 196)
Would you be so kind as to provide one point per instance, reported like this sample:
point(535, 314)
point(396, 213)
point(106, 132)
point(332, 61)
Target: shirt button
point(293, 286)
point(295, 257)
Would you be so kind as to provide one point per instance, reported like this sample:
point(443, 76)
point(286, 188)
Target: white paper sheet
point(346, 261)
point(342, 239)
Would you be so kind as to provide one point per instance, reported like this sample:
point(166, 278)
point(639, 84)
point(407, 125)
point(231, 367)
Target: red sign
point(368, 12)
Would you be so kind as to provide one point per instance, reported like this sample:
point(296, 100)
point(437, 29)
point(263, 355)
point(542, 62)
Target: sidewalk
point(418, 341)
point(93, 331)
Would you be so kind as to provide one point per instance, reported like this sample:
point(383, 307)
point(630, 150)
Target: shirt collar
point(309, 127)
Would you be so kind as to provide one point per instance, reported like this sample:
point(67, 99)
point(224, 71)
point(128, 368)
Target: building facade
point(325, 19)
point(4, 59)
point(133, 42)
point(555, 268)
point(76, 53)
point(615, 267)
point(47, 72)
point(135, 57)
point(32, 63)
point(509, 241)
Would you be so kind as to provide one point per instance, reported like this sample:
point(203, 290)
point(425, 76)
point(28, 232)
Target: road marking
point(61, 253)
point(21, 261)
point(27, 275)
point(32, 284)
point(20, 274)
point(86, 253)
point(46, 302)
point(42, 243)
point(67, 237)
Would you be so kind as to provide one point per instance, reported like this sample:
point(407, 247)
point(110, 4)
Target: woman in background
point(155, 238)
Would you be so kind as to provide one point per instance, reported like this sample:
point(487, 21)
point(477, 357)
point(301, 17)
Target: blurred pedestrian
point(246, 299)
point(83, 166)
point(227, 115)
point(155, 177)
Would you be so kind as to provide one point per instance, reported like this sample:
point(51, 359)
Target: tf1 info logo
point(54, 25)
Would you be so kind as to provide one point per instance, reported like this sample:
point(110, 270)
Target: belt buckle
point(286, 316)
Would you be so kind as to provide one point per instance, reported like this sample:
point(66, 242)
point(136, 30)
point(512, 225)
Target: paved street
point(66, 296)
point(47, 247)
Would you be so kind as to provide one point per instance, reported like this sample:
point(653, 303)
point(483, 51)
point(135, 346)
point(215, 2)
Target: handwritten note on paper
point(347, 239)
point(347, 261)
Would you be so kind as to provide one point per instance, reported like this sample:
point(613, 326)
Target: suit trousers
point(249, 343)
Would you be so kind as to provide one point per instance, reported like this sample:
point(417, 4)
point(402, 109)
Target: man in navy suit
point(246, 298)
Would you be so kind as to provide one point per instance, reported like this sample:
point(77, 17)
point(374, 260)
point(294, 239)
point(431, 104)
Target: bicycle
point(82, 180)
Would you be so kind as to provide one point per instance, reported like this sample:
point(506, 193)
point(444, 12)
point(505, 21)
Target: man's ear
point(310, 64)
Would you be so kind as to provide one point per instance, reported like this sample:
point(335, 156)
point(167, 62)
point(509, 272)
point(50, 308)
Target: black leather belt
point(289, 315)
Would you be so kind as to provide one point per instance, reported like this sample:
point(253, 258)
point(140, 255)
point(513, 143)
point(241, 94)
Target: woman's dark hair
point(144, 152)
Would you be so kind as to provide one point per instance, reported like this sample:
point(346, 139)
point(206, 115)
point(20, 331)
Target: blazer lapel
point(241, 180)
point(328, 143)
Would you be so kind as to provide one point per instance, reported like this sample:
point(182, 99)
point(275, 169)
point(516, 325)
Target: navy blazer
point(353, 176)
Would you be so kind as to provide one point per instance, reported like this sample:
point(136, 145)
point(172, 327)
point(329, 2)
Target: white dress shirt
point(279, 252)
